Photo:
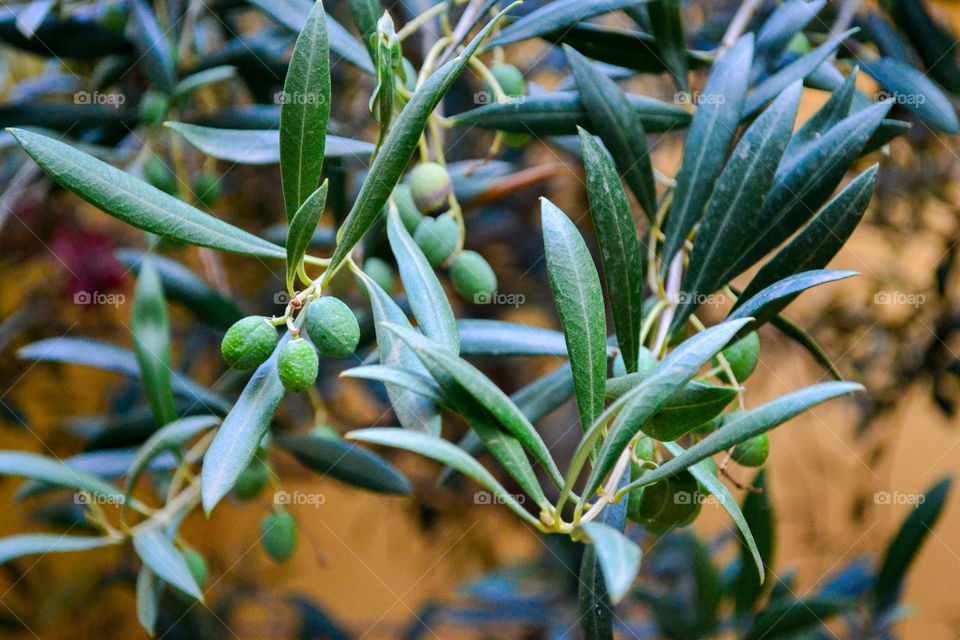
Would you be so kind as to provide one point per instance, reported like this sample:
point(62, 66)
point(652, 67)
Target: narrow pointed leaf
point(579, 300)
point(165, 560)
point(666, 19)
point(819, 242)
point(500, 338)
point(419, 384)
point(916, 92)
point(758, 513)
point(347, 462)
point(32, 15)
point(740, 192)
point(611, 116)
point(747, 425)
point(770, 301)
point(442, 451)
point(202, 79)
point(805, 340)
point(151, 341)
point(398, 148)
point(169, 437)
point(618, 556)
point(428, 301)
point(365, 15)
point(305, 112)
point(555, 16)
point(791, 618)
point(711, 132)
point(412, 410)
point(620, 248)
point(242, 430)
point(830, 114)
point(149, 590)
point(13, 547)
point(784, 23)
point(152, 47)
point(302, 226)
point(135, 202)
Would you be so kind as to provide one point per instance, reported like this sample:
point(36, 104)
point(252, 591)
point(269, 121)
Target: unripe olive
point(332, 327)
point(473, 277)
point(798, 44)
point(207, 188)
point(297, 365)
point(671, 502)
point(156, 174)
point(278, 535)
point(248, 343)
point(643, 450)
point(752, 452)
point(437, 238)
point(252, 480)
point(510, 80)
point(430, 187)
point(409, 214)
point(153, 108)
point(197, 566)
point(380, 272)
point(742, 356)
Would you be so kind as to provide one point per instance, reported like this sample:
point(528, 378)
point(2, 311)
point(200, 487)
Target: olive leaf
point(620, 250)
point(916, 92)
point(612, 118)
point(169, 437)
point(165, 560)
point(555, 16)
point(479, 337)
point(579, 300)
point(398, 148)
point(770, 301)
point(151, 342)
point(305, 112)
point(13, 547)
point(449, 454)
point(347, 462)
point(418, 383)
point(149, 590)
point(152, 47)
point(784, 23)
point(135, 202)
point(365, 15)
point(302, 226)
point(712, 130)
point(835, 109)
point(202, 79)
point(55, 472)
point(758, 513)
point(666, 20)
point(689, 408)
point(617, 555)
point(794, 616)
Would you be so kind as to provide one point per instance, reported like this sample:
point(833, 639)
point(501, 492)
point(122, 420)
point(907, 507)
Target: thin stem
point(737, 26)
point(411, 27)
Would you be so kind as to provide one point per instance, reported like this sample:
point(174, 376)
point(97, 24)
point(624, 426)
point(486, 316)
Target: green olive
point(430, 186)
point(156, 174)
point(297, 365)
point(332, 327)
point(252, 480)
point(153, 108)
point(248, 343)
point(742, 356)
point(752, 452)
point(278, 535)
point(207, 188)
point(473, 277)
point(380, 272)
point(438, 238)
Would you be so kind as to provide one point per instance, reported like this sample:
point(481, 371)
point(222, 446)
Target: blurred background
point(841, 479)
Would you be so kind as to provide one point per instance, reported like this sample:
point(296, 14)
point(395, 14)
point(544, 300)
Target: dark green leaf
point(169, 437)
point(787, 619)
point(13, 547)
point(916, 92)
point(613, 118)
point(419, 384)
point(815, 246)
point(348, 463)
point(618, 556)
point(135, 202)
point(398, 148)
point(666, 19)
point(933, 41)
point(759, 516)
point(905, 546)
point(257, 146)
point(620, 248)
point(305, 112)
point(555, 16)
point(740, 192)
point(152, 47)
point(149, 592)
point(442, 451)
point(830, 114)
point(151, 341)
point(711, 132)
point(500, 338)
point(784, 23)
point(165, 560)
point(692, 406)
point(557, 114)
point(427, 299)
point(579, 299)
point(365, 14)
point(805, 340)
point(202, 79)
point(770, 301)
point(302, 226)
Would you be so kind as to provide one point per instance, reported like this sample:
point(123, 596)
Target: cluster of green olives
point(328, 322)
point(423, 202)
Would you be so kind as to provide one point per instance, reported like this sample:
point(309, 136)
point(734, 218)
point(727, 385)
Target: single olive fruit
point(742, 356)
point(437, 238)
point(297, 365)
point(643, 450)
point(249, 342)
point(430, 186)
point(156, 174)
point(207, 187)
point(153, 108)
point(278, 535)
point(252, 480)
point(409, 214)
point(473, 277)
point(380, 272)
point(671, 502)
point(752, 452)
point(510, 80)
point(332, 327)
